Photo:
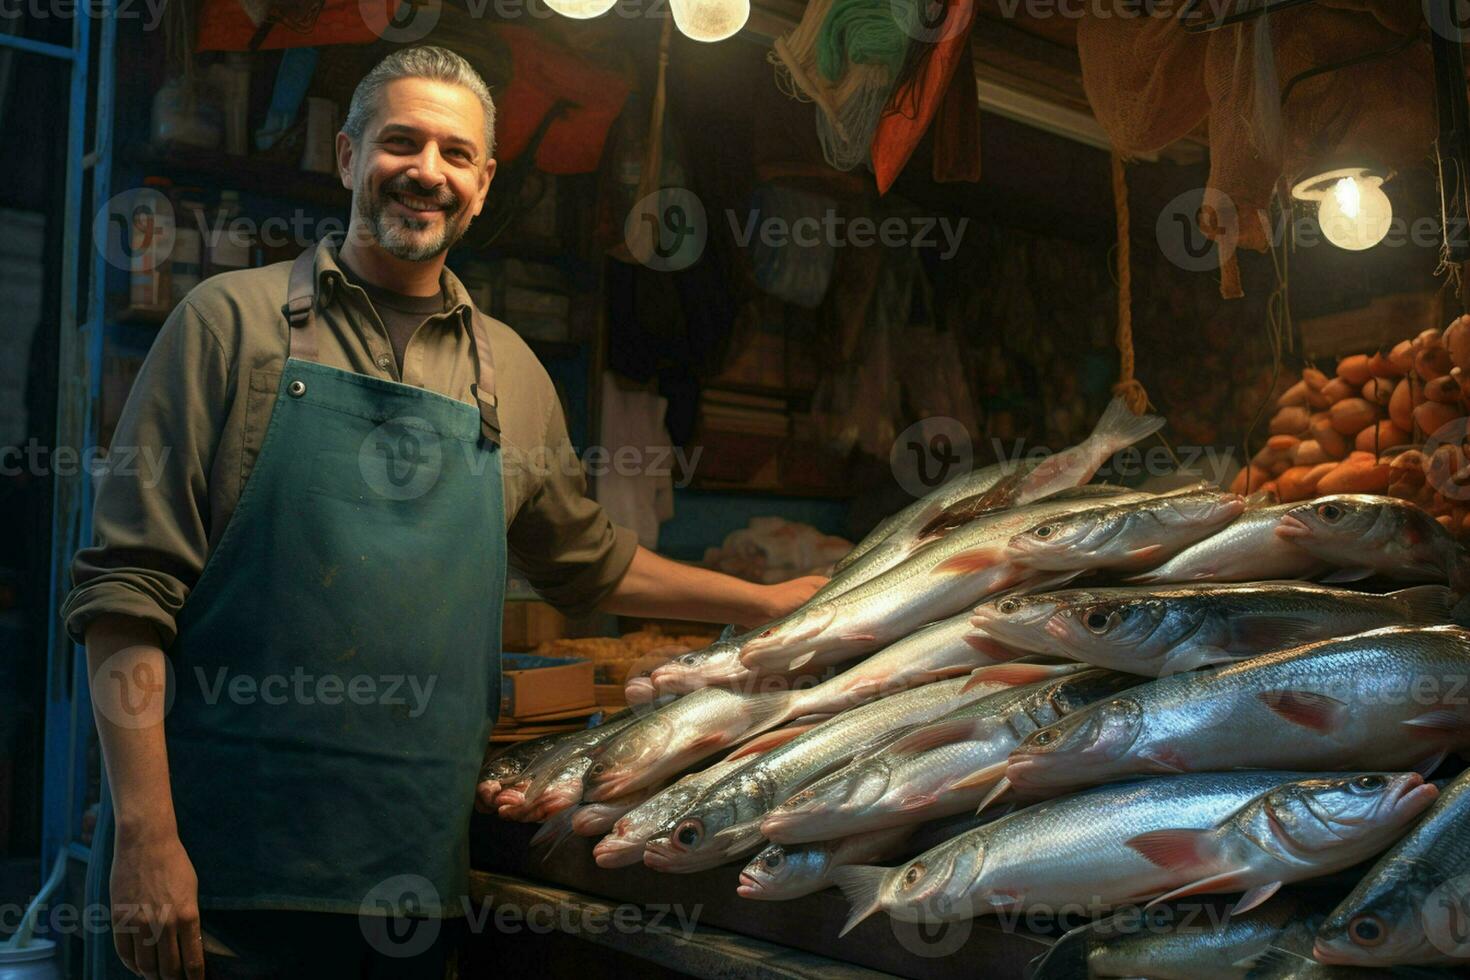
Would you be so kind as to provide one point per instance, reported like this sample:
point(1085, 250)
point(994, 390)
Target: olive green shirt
point(194, 422)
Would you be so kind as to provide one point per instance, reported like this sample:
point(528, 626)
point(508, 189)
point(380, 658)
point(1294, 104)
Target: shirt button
point(384, 360)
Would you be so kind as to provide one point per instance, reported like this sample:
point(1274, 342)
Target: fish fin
point(1256, 896)
point(797, 663)
point(1264, 634)
point(880, 742)
point(1344, 575)
point(1426, 766)
point(769, 740)
point(990, 646)
point(932, 736)
point(1226, 881)
point(1262, 498)
point(727, 633)
point(968, 562)
point(1440, 719)
point(1197, 657)
point(1119, 427)
point(1000, 789)
point(859, 884)
point(938, 674)
point(1169, 760)
point(555, 829)
point(1067, 957)
point(1427, 603)
point(1309, 709)
point(1146, 553)
point(980, 777)
point(1174, 850)
point(1015, 675)
point(850, 638)
point(916, 802)
point(768, 710)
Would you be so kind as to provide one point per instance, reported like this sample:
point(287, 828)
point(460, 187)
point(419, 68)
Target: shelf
point(265, 176)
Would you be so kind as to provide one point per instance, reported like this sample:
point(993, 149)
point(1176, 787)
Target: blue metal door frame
point(68, 719)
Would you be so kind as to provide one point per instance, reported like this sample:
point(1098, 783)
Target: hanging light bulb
point(1352, 209)
point(710, 20)
point(581, 9)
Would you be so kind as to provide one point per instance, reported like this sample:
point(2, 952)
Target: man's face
point(421, 172)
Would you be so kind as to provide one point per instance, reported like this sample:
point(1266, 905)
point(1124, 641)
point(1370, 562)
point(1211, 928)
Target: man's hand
point(658, 588)
point(155, 909)
point(784, 597)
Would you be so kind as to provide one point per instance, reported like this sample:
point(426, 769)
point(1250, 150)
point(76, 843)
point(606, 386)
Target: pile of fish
point(1210, 711)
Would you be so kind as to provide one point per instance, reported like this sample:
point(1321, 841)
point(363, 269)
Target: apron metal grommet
point(296, 389)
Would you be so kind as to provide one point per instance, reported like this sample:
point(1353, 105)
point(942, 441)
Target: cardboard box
point(527, 624)
point(534, 687)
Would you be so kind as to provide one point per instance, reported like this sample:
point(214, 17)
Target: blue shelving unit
point(90, 61)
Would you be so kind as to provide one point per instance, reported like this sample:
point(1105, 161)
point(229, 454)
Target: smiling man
point(317, 573)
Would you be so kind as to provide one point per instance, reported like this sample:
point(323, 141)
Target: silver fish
point(782, 872)
point(939, 769)
point(936, 582)
point(1126, 537)
point(624, 842)
point(1160, 630)
point(1390, 698)
point(1025, 482)
point(1411, 907)
point(1154, 839)
point(1365, 535)
point(1248, 550)
point(724, 822)
point(1198, 944)
point(678, 735)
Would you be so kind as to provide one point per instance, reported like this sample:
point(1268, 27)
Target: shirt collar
point(329, 276)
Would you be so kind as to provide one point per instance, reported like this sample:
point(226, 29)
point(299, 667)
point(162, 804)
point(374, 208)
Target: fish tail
point(1119, 427)
point(860, 884)
point(1067, 957)
point(555, 829)
point(1427, 603)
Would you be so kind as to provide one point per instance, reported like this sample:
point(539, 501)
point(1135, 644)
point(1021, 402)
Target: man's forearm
point(126, 666)
point(659, 588)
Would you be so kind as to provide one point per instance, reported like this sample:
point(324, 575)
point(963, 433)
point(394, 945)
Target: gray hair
point(425, 61)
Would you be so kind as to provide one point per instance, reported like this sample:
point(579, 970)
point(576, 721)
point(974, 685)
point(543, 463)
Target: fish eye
point(772, 861)
point(598, 768)
point(1045, 531)
point(1369, 782)
point(1044, 737)
point(1100, 621)
point(1329, 512)
point(1008, 605)
point(767, 632)
point(913, 874)
point(687, 660)
point(1366, 930)
point(689, 833)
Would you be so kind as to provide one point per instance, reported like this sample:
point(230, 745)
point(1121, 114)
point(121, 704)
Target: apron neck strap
point(301, 339)
point(484, 388)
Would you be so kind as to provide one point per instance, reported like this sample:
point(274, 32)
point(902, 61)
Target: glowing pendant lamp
point(1352, 209)
point(710, 20)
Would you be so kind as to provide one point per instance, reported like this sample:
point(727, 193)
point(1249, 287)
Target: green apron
point(337, 670)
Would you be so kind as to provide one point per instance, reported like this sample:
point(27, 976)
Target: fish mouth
point(748, 886)
point(1290, 526)
point(1324, 952)
point(1414, 795)
point(611, 852)
point(791, 827)
point(641, 690)
point(608, 786)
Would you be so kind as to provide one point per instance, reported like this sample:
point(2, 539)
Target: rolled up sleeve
point(150, 522)
point(572, 553)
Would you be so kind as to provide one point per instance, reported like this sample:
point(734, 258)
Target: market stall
point(1097, 378)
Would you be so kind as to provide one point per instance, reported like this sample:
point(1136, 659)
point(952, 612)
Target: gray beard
point(393, 233)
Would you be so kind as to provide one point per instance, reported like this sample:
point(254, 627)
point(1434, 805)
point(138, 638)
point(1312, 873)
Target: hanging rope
point(1129, 388)
point(651, 179)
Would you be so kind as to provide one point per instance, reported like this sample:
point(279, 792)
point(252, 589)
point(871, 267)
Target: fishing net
point(1268, 117)
point(844, 56)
